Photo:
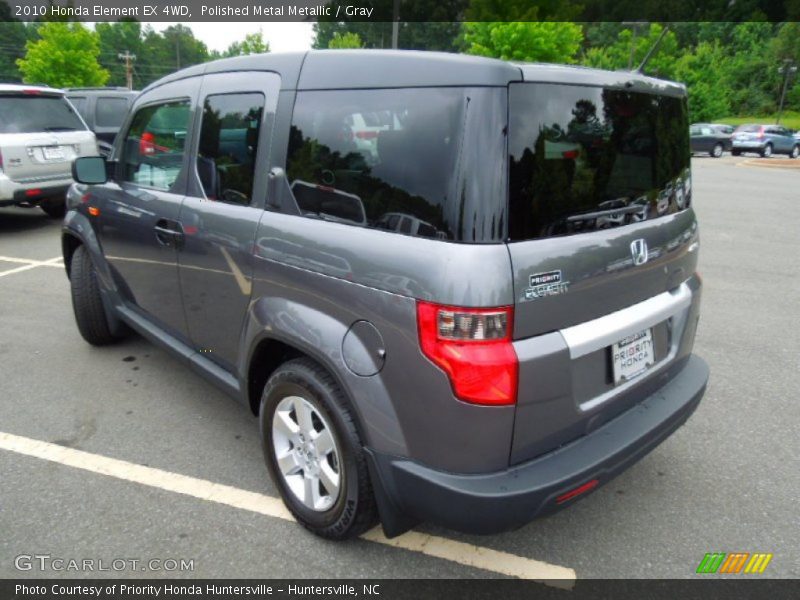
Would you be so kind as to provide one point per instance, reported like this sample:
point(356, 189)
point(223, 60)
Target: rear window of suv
point(587, 158)
point(25, 113)
point(427, 162)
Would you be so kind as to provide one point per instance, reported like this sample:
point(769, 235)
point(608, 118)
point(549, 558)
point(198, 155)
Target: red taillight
point(33, 192)
point(577, 491)
point(571, 154)
point(366, 135)
point(473, 347)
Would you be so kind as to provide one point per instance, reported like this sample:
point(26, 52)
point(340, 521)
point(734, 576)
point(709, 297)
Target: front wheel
point(87, 303)
point(716, 151)
point(795, 152)
point(767, 151)
point(314, 453)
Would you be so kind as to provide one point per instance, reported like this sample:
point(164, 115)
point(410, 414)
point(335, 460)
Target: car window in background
point(110, 112)
point(226, 156)
point(392, 158)
point(32, 114)
point(154, 145)
point(79, 102)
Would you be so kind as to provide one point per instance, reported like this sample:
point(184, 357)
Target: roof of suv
point(352, 69)
point(21, 87)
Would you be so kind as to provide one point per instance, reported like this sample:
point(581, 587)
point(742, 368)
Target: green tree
point(345, 40)
point(540, 41)
point(704, 71)
point(13, 37)
point(64, 56)
point(117, 38)
point(253, 43)
point(618, 55)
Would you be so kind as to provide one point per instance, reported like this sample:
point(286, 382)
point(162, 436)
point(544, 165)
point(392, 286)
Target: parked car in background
point(765, 140)
point(40, 136)
point(104, 110)
point(713, 138)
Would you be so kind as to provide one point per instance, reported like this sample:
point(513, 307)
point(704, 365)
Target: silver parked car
point(40, 135)
point(765, 140)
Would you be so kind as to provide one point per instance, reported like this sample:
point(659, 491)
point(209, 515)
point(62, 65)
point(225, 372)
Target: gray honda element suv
point(453, 289)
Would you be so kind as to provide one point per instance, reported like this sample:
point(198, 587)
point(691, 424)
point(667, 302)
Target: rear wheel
point(87, 303)
point(795, 151)
point(716, 151)
point(767, 151)
point(55, 209)
point(314, 453)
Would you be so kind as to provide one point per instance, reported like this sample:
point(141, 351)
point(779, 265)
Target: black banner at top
point(402, 10)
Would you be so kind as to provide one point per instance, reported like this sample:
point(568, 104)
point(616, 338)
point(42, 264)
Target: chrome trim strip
point(593, 335)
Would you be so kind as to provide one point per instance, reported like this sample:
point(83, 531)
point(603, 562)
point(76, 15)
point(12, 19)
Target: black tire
point(87, 304)
point(54, 209)
point(736, 152)
point(354, 511)
point(767, 151)
point(717, 151)
point(795, 152)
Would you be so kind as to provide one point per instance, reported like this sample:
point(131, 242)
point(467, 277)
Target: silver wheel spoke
point(288, 463)
point(323, 442)
point(303, 412)
point(283, 424)
point(329, 479)
point(311, 496)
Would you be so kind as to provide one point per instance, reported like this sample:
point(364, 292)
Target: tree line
point(729, 68)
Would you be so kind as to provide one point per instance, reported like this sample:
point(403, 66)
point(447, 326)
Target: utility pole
point(787, 69)
point(128, 58)
point(395, 23)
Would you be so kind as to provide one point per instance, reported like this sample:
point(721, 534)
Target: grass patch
point(790, 119)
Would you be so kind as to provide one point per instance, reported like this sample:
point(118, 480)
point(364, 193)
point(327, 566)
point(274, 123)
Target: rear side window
point(424, 162)
point(35, 114)
point(226, 157)
point(587, 158)
point(79, 102)
point(154, 145)
point(110, 112)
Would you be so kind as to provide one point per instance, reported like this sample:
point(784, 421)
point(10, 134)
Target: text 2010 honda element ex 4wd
point(453, 289)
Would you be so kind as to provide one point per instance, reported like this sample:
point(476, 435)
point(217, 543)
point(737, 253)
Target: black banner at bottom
point(261, 589)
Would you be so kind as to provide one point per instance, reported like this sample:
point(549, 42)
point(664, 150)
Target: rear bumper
point(14, 193)
point(495, 502)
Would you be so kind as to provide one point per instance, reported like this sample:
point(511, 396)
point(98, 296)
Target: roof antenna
point(652, 50)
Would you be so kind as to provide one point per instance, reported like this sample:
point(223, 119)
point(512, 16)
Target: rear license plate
point(53, 153)
point(632, 356)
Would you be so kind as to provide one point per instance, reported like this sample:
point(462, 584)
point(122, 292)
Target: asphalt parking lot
point(727, 481)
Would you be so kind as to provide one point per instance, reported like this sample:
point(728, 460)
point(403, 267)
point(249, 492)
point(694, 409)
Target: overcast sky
point(282, 37)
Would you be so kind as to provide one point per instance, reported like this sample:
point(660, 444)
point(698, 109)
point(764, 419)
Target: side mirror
point(91, 170)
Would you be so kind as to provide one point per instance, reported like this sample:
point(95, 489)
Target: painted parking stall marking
point(430, 545)
point(28, 264)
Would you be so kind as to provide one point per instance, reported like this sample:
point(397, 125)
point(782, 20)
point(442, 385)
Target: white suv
point(40, 135)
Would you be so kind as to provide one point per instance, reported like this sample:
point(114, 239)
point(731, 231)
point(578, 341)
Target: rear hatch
point(602, 239)
point(748, 133)
point(40, 136)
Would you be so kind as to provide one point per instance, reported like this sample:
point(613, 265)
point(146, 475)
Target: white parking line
point(430, 545)
point(28, 264)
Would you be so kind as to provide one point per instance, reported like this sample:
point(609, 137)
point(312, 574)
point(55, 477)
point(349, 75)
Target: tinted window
point(749, 128)
point(226, 156)
point(154, 145)
point(434, 157)
point(587, 158)
point(34, 114)
point(110, 112)
point(79, 102)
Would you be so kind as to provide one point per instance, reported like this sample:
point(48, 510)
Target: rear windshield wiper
point(602, 213)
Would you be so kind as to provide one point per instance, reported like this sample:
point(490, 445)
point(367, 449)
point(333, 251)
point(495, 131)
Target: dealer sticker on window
point(632, 355)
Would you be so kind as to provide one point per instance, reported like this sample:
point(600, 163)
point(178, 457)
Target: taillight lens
point(473, 347)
